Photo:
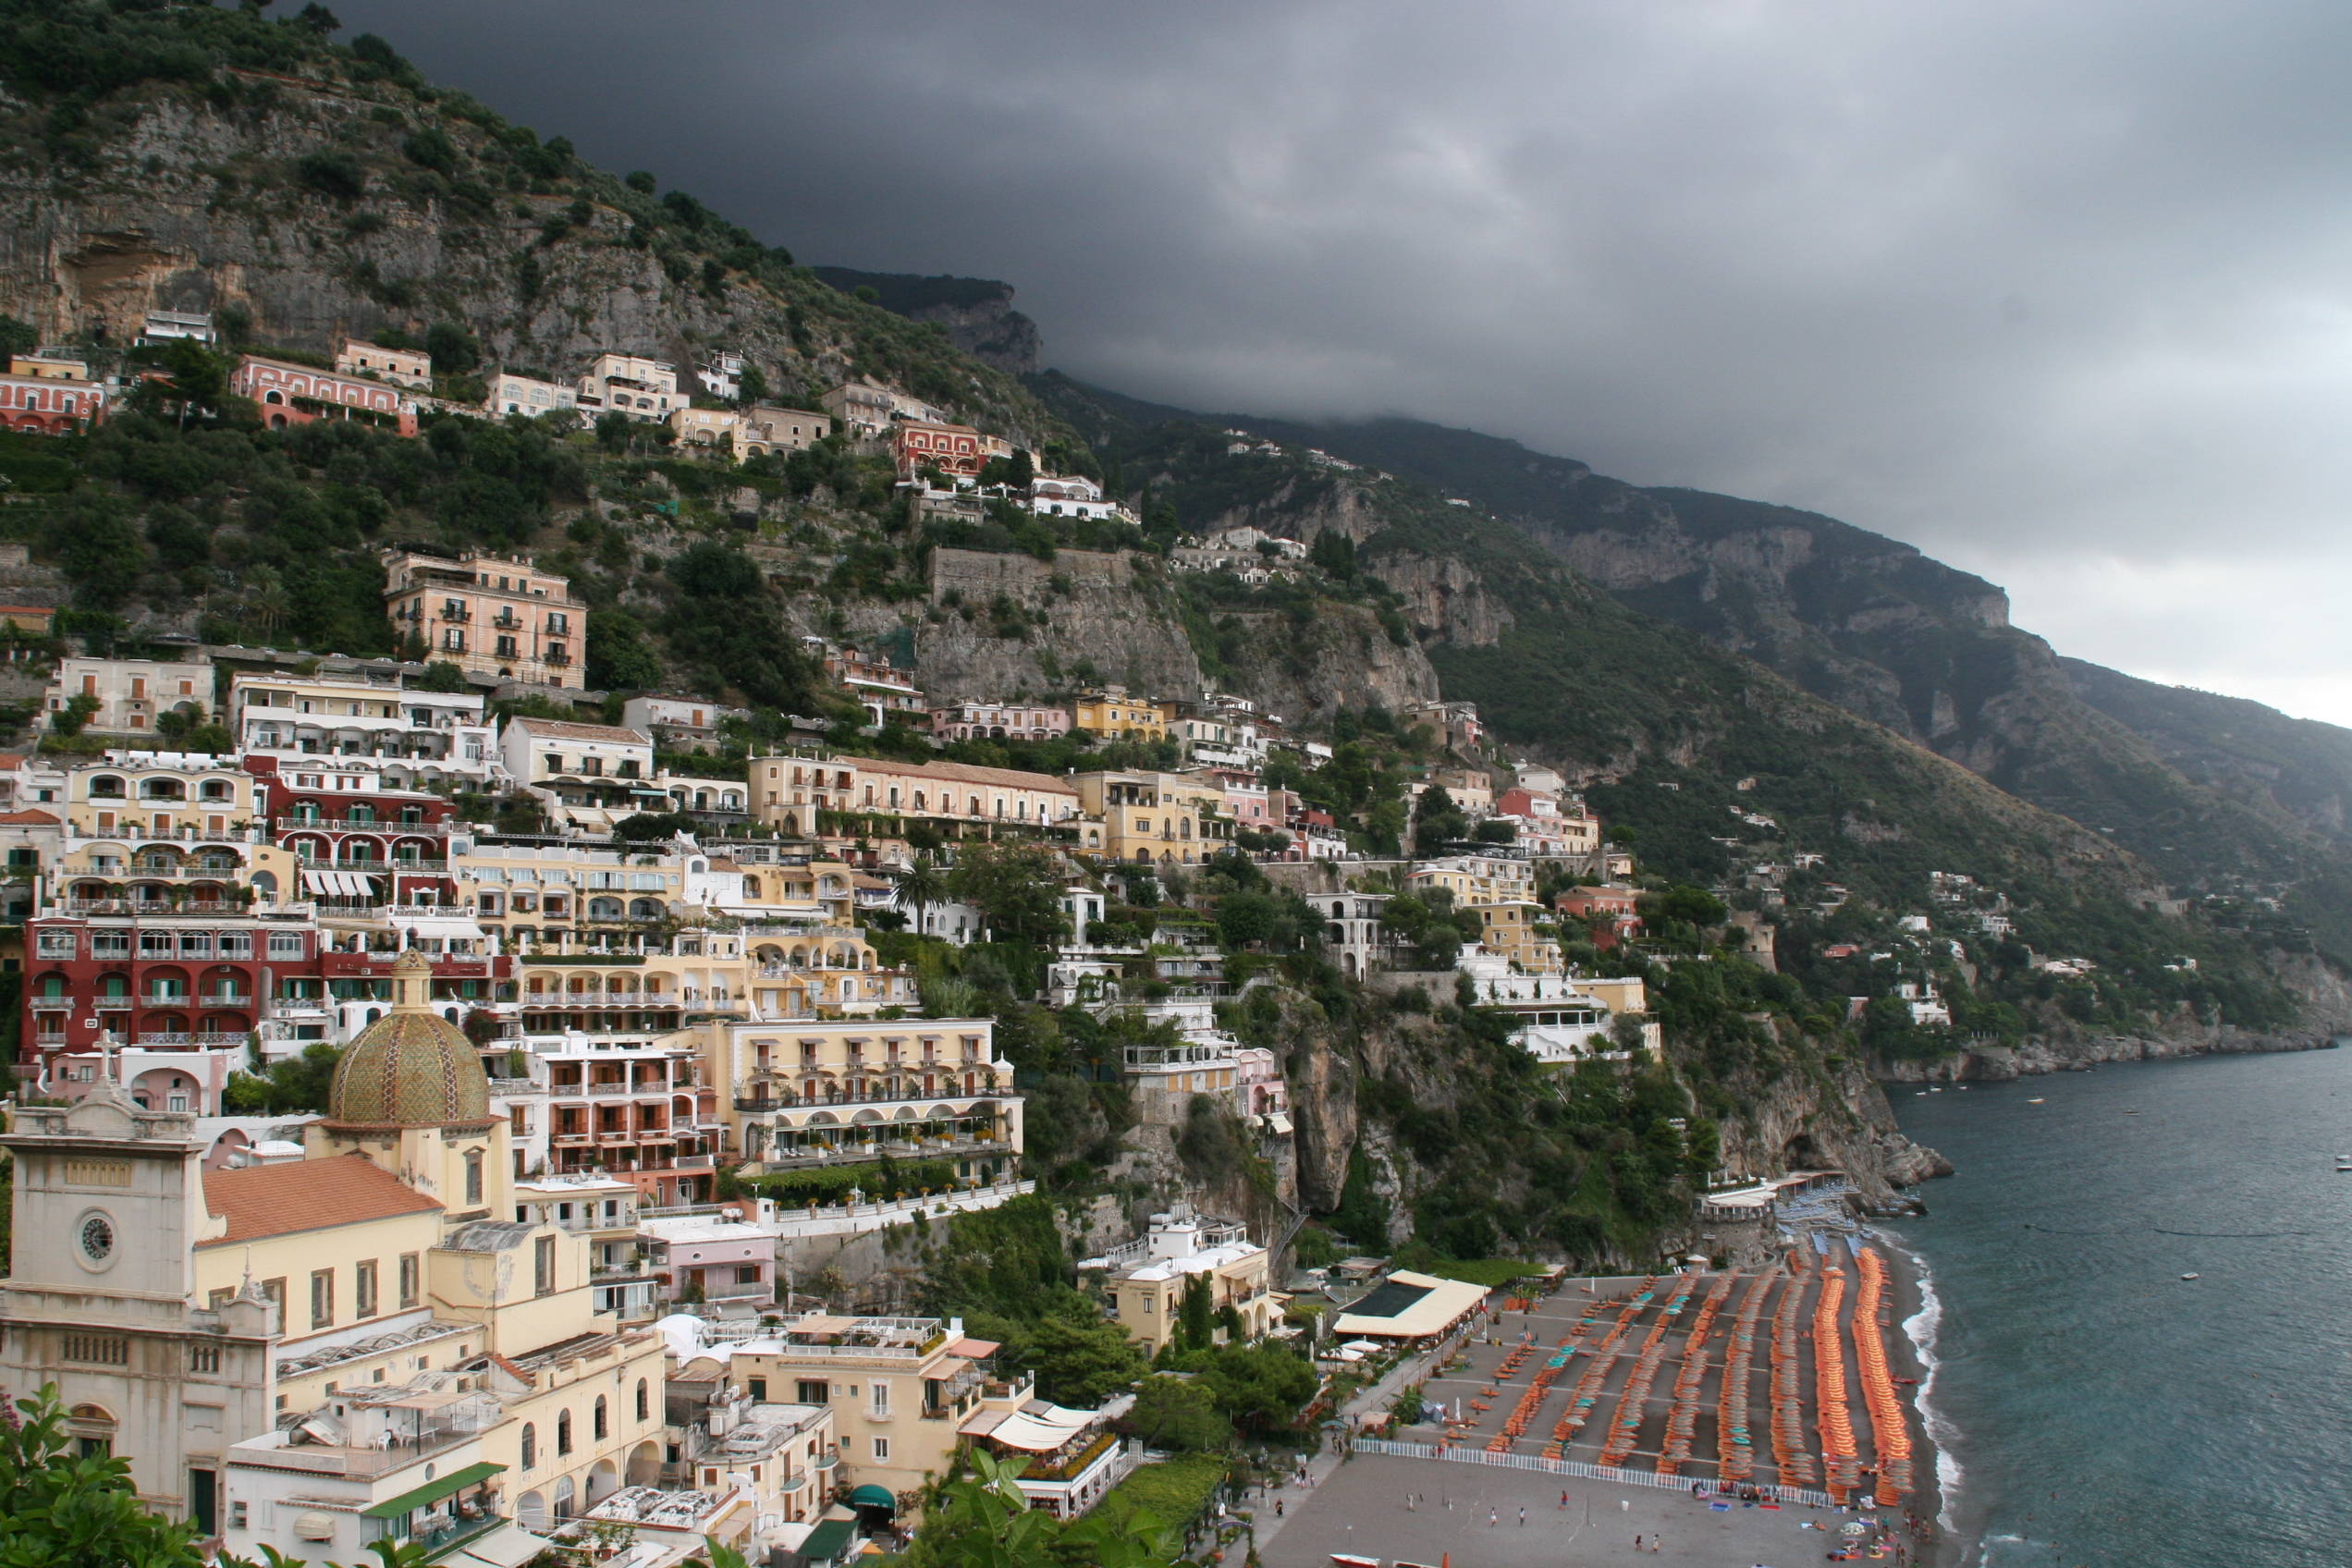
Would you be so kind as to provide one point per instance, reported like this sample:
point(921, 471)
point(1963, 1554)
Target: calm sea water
point(2101, 1410)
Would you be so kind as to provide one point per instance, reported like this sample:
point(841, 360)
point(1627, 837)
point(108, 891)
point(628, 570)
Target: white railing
point(1575, 1467)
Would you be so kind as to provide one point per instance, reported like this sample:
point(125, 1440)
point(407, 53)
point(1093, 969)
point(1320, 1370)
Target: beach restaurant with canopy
point(1407, 1306)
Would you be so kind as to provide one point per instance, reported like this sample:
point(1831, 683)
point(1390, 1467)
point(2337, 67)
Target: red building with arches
point(291, 395)
point(359, 846)
point(46, 406)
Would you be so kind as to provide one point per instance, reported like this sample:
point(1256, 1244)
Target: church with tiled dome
point(371, 1341)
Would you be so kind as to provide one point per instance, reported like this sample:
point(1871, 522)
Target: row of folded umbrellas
point(1624, 1428)
point(1681, 1416)
point(1734, 1449)
point(1587, 1390)
point(1791, 1452)
point(1889, 1432)
point(1840, 1459)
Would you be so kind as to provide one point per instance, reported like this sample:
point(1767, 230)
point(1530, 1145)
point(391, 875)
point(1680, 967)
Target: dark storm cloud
point(2057, 292)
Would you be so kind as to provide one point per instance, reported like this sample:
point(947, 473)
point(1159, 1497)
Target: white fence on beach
point(1576, 1467)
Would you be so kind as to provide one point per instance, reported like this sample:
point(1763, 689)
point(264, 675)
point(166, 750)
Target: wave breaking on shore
point(1921, 1330)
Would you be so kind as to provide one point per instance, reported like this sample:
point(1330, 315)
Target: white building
point(629, 383)
point(130, 693)
point(723, 376)
point(1072, 495)
point(409, 737)
point(511, 394)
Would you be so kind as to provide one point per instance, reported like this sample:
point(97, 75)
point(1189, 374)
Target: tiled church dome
point(411, 1068)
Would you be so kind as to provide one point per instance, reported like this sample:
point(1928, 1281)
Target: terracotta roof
point(964, 773)
point(28, 819)
point(564, 730)
point(310, 1195)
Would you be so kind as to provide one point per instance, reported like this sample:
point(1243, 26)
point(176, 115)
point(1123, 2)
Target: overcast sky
point(2060, 293)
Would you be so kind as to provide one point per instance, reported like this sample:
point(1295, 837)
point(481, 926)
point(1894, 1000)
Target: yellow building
point(845, 1090)
point(788, 792)
point(1147, 1277)
point(898, 1389)
point(1167, 818)
point(1509, 932)
point(1477, 879)
point(159, 833)
point(1114, 715)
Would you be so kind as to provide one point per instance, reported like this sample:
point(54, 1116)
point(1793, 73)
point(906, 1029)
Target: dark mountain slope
point(976, 312)
point(1887, 632)
point(2241, 748)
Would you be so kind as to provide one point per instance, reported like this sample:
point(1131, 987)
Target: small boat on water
point(2192, 1276)
point(2036, 1100)
point(2130, 1112)
point(2344, 1165)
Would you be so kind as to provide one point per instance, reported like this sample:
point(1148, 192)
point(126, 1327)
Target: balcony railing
point(747, 1098)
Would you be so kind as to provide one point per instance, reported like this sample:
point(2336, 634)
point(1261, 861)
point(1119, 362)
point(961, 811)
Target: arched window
point(644, 1408)
point(599, 1425)
point(563, 1434)
point(530, 1446)
point(473, 1176)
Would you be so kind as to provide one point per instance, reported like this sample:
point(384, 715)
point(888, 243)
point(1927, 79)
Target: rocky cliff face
point(1080, 608)
point(1339, 658)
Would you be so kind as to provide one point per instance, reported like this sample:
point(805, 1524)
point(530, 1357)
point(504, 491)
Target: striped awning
point(338, 883)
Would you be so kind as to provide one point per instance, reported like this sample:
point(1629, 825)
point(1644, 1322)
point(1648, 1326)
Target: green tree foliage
point(1081, 1357)
point(58, 1507)
point(296, 1085)
point(621, 655)
point(1179, 1415)
point(1436, 822)
point(986, 1522)
point(1259, 1388)
point(728, 625)
point(1016, 886)
point(1196, 1315)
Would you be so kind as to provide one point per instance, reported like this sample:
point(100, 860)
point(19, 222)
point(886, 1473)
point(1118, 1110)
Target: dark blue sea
point(2100, 1410)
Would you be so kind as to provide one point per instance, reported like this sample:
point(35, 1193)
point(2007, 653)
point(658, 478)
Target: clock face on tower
point(97, 1238)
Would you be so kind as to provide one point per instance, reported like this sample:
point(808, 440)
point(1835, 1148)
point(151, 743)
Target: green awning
point(431, 1492)
point(872, 1496)
point(829, 1540)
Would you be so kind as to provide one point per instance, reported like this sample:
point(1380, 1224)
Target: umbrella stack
point(1587, 1388)
point(1682, 1419)
point(1790, 1451)
point(1515, 1427)
point(1888, 1433)
point(1840, 1460)
point(1734, 1446)
point(1625, 1427)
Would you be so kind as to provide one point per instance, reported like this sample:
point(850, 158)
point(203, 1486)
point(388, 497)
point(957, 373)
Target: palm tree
point(921, 885)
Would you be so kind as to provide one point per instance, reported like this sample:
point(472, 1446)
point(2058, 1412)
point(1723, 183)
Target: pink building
point(999, 721)
point(39, 406)
point(291, 395)
point(1259, 1087)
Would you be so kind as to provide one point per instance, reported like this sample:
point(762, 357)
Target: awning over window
point(338, 883)
point(431, 1492)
